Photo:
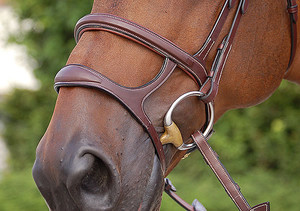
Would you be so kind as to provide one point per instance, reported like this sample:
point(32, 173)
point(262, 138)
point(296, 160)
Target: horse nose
point(90, 178)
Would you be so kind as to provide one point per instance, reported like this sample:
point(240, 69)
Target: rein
point(133, 99)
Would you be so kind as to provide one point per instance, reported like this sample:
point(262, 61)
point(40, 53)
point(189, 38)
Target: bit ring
point(168, 117)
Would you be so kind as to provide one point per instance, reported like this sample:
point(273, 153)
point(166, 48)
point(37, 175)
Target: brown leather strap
point(151, 40)
point(215, 32)
point(261, 207)
point(170, 190)
point(231, 188)
point(211, 86)
point(292, 9)
point(132, 98)
point(142, 35)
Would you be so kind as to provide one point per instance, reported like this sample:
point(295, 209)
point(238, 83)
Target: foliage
point(25, 122)
point(259, 145)
point(26, 113)
point(258, 185)
point(51, 39)
point(18, 193)
point(264, 136)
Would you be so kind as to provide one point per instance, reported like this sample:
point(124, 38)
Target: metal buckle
point(172, 133)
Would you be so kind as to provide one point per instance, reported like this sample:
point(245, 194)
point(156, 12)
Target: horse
point(113, 139)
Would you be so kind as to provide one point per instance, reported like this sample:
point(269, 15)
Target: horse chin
point(154, 188)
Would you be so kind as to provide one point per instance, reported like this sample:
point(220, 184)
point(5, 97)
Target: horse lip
point(152, 192)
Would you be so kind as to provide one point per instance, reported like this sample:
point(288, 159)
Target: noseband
point(133, 99)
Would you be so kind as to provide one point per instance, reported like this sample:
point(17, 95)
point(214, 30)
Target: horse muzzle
point(81, 179)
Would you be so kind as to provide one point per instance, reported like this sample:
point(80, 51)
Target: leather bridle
point(133, 99)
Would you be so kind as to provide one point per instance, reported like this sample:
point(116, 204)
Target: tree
point(27, 113)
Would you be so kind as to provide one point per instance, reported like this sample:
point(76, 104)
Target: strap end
point(261, 207)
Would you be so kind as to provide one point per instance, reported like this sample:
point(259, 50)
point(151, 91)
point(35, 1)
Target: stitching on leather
point(144, 29)
point(147, 44)
point(203, 47)
point(103, 77)
point(94, 72)
point(210, 149)
point(106, 89)
point(261, 205)
point(147, 31)
point(208, 51)
point(103, 88)
point(213, 168)
point(158, 50)
point(221, 73)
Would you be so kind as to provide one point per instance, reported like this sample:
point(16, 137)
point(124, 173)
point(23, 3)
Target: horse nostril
point(98, 178)
point(93, 183)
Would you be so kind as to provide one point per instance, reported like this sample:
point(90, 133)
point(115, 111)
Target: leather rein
point(76, 75)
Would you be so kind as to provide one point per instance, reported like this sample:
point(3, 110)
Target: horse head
point(101, 150)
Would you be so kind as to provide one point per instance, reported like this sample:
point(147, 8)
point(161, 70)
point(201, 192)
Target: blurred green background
point(260, 146)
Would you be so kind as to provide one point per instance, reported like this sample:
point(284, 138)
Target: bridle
point(133, 99)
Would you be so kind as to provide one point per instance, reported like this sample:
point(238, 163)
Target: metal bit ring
point(168, 117)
